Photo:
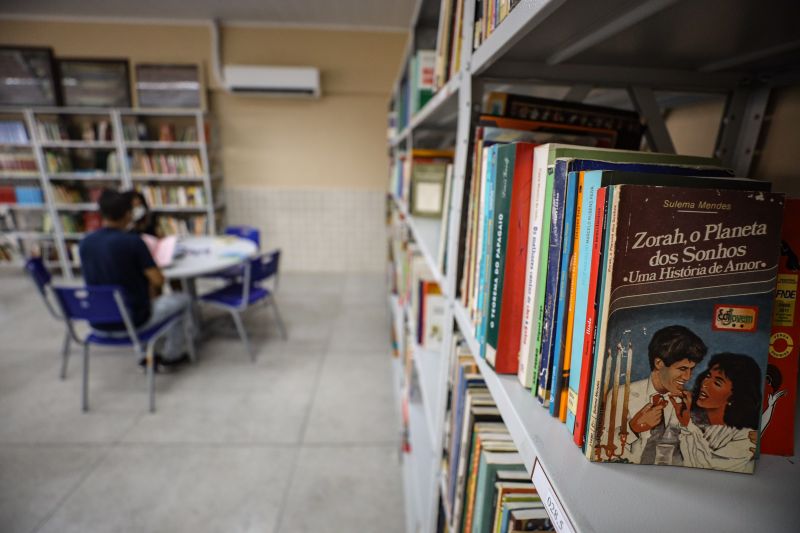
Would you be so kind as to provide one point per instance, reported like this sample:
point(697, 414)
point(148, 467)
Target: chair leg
point(278, 317)
point(189, 335)
point(85, 389)
point(150, 360)
point(237, 319)
point(65, 355)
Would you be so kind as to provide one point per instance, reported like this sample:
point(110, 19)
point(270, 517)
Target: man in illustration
point(646, 430)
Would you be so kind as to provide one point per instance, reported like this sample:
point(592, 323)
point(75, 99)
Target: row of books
point(13, 131)
point(488, 16)
point(618, 285)
point(165, 132)
point(16, 220)
point(76, 194)
point(183, 165)
point(95, 162)
point(82, 130)
point(21, 195)
point(417, 290)
point(448, 41)
point(417, 87)
point(74, 222)
point(162, 195)
point(486, 487)
point(192, 225)
point(419, 180)
point(17, 162)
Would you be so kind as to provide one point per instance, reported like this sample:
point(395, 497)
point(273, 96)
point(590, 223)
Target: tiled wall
point(319, 230)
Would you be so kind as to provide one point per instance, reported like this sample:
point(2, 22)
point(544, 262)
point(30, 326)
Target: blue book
point(485, 255)
point(557, 217)
point(560, 311)
point(593, 180)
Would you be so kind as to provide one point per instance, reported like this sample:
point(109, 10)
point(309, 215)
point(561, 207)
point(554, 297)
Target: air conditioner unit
point(278, 81)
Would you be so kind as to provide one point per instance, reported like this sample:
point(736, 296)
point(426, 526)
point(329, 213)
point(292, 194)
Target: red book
point(92, 221)
point(591, 316)
point(780, 390)
point(507, 357)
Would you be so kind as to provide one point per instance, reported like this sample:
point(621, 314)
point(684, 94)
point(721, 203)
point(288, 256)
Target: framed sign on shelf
point(169, 86)
point(27, 77)
point(95, 82)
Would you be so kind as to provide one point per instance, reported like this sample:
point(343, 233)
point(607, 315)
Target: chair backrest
point(98, 304)
point(39, 273)
point(264, 266)
point(245, 232)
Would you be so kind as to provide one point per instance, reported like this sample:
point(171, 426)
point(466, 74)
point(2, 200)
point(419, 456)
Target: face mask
point(139, 212)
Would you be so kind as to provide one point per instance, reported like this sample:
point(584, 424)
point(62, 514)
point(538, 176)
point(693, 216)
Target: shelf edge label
point(550, 499)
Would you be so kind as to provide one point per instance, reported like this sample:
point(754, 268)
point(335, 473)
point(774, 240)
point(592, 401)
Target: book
point(780, 389)
point(582, 340)
point(510, 492)
point(483, 441)
point(504, 354)
point(489, 463)
point(535, 519)
point(696, 276)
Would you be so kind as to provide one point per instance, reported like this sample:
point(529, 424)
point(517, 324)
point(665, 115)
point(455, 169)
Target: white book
point(527, 352)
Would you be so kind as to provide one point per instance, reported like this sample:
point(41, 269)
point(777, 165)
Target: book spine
point(591, 319)
point(559, 379)
point(557, 213)
point(475, 233)
point(525, 373)
point(538, 301)
point(485, 251)
point(592, 429)
point(507, 356)
point(502, 207)
point(591, 182)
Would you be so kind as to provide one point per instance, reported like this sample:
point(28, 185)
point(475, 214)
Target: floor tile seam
point(89, 471)
point(303, 430)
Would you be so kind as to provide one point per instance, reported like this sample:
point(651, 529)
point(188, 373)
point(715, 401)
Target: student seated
point(113, 256)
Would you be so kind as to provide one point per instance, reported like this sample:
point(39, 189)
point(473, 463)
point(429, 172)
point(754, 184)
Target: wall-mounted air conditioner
point(278, 81)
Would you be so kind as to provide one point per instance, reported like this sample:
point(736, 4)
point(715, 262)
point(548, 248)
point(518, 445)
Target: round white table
point(200, 256)
point(203, 255)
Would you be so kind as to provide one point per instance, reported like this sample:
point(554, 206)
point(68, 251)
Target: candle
point(612, 416)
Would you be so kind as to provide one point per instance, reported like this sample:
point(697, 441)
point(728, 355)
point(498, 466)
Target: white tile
point(179, 489)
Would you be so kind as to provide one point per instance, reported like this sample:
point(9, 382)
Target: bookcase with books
point(524, 138)
point(55, 162)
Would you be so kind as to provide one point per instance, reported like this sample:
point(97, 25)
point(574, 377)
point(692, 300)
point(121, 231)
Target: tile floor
point(305, 439)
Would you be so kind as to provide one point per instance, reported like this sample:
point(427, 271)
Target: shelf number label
point(550, 499)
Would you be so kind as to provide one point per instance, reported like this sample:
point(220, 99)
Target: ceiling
point(367, 14)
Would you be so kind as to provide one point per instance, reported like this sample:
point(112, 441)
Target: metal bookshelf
point(118, 149)
point(639, 52)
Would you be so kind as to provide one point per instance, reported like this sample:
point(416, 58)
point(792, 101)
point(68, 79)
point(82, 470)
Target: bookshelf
point(69, 154)
point(638, 54)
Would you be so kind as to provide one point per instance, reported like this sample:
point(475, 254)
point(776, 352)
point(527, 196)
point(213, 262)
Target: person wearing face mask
point(112, 255)
point(143, 220)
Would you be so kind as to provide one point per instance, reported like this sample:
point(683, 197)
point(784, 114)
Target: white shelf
point(169, 177)
point(32, 235)
point(163, 145)
point(426, 362)
point(25, 207)
point(178, 209)
point(439, 110)
point(426, 233)
point(74, 236)
point(99, 145)
point(19, 176)
point(77, 207)
point(84, 176)
point(592, 493)
point(15, 144)
point(423, 462)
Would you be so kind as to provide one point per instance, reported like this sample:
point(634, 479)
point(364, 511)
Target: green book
point(506, 155)
point(490, 463)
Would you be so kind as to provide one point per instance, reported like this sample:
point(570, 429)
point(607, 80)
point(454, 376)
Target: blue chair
point(43, 281)
point(104, 304)
point(245, 232)
point(248, 291)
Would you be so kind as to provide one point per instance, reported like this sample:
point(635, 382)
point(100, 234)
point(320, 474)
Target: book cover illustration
point(684, 327)
point(780, 390)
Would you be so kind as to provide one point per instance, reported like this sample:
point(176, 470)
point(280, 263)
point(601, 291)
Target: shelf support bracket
point(656, 132)
point(740, 129)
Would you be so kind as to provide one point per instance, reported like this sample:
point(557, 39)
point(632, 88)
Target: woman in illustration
point(720, 418)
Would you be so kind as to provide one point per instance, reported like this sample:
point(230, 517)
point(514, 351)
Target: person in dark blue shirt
point(113, 256)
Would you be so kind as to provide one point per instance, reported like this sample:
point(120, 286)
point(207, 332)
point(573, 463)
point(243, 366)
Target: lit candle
point(612, 416)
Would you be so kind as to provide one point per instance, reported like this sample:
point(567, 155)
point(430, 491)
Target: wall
point(280, 156)
point(694, 131)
